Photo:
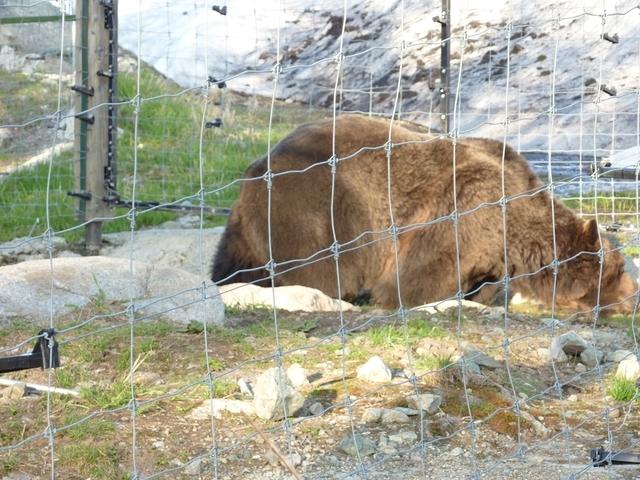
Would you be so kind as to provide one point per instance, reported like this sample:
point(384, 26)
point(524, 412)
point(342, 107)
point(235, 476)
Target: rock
point(13, 392)
point(25, 248)
point(545, 355)
point(581, 368)
point(375, 371)
point(482, 359)
point(410, 412)
point(193, 468)
point(245, 387)
point(572, 398)
point(552, 322)
point(219, 405)
point(427, 402)
point(292, 298)
point(297, 375)
point(172, 248)
point(629, 368)
point(393, 416)
point(591, 357)
point(17, 476)
point(403, 438)
point(272, 393)
point(316, 409)
point(354, 444)
point(570, 343)
point(384, 446)
point(166, 292)
point(295, 459)
point(372, 415)
point(618, 356)
point(456, 452)
point(158, 444)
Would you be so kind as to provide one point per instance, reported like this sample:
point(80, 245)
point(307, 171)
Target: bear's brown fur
point(422, 203)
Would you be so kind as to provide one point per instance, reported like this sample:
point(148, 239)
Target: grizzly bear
point(312, 219)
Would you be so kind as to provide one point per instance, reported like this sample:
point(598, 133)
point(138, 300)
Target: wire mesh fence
point(157, 381)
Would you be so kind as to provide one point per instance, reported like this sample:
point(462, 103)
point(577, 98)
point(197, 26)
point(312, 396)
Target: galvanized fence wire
point(286, 427)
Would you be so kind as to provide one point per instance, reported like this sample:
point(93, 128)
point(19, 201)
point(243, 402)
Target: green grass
point(167, 151)
point(433, 362)
point(622, 203)
point(394, 334)
point(623, 390)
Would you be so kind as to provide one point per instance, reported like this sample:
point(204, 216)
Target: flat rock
point(297, 375)
point(13, 392)
point(293, 298)
point(482, 359)
point(181, 248)
point(163, 291)
point(591, 356)
point(272, 393)
point(374, 371)
point(403, 438)
point(393, 416)
point(372, 414)
point(629, 368)
point(356, 444)
point(219, 405)
point(618, 356)
point(427, 402)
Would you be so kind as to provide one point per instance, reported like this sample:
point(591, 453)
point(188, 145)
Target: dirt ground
point(474, 435)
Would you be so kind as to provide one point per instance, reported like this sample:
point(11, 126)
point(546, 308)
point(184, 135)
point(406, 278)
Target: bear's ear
point(590, 232)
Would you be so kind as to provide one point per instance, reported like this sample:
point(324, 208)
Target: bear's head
point(579, 285)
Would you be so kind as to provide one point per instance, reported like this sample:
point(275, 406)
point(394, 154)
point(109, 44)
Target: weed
point(622, 389)
point(433, 362)
point(113, 395)
point(394, 334)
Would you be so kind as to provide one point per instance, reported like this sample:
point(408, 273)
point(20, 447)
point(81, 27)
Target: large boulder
point(184, 248)
point(291, 297)
point(27, 291)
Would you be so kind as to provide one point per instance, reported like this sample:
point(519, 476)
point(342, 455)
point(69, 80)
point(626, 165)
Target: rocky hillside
point(520, 40)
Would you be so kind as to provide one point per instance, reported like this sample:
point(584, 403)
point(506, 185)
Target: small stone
point(372, 415)
point(354, 444)
point(295, 459)
point(272, 393)
point(14, 392)
point(428, 402)
point(297, 375)
point(572, 398)
point(591, 357)
point(272, 458)
point(581, 368)
point(482, 359)
point(403, 438)
point(408, 411)
point(456, 452)
point(245, 387)
point(158, 444)
point(570, 343)
point(614, 413)
point(194, 467)
point(393, 416)
point(618, 356)
point(375, 371)
point(316, 409)
point(629, 368)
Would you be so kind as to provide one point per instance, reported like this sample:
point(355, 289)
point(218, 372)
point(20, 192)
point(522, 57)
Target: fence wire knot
point(136, 101)
point(332, 162)
point(555, 265)
point(454, 217)
point(335, 250)
point(49, 433)
point(270, 267)
point(388, 146)
point(339, 58)
point(268, 177)
point(277, 69)
point(393, 231)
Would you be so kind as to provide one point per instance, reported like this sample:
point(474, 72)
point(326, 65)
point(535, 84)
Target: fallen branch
point(283, 459)
point(39, 388)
